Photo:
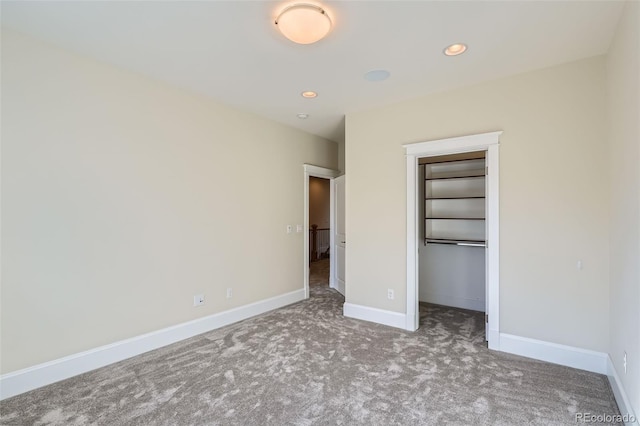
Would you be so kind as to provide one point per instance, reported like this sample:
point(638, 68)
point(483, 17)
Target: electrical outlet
point(299, 228)
point(229, 293)
point(624, 362)
point(198, 300)
point(390, 294)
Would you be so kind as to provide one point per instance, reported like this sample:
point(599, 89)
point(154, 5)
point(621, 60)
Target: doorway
point(311, 173)
point(452, 231)
point(319, 232)
point(488, 143)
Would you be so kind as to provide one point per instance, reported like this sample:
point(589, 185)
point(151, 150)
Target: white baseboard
point(621, 395)
point(380, 316)
point(20, 381)
point(569, 356)
point(456, 302)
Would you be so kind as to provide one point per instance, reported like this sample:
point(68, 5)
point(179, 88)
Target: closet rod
point(456, 242)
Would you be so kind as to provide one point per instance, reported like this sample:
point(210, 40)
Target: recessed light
point(309, 94)
point(377, 75)
point(455, 49)
point(302, 116)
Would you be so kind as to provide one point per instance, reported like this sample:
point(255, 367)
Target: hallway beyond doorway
point(319, 273)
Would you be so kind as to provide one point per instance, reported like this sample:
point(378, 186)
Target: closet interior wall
point(453, 231)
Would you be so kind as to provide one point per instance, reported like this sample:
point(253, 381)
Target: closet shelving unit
point(454, 197)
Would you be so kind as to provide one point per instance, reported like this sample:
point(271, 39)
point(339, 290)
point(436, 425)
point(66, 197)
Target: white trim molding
point(488, 142)
point(380, 316)
point(569, 356)
point(624, 405)
point(455, 145)
point(21, 381)
point(320, 172)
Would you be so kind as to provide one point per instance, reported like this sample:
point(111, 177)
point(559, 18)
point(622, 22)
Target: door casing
point(488, 142)
point(325, 173)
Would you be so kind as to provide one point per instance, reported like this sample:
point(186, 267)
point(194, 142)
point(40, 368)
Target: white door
point(340, 239)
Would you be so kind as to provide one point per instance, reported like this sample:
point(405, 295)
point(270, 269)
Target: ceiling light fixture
point(309, 94)
point(455, 49)
point(304, 23)
point(302, 116)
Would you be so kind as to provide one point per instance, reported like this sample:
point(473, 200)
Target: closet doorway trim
point(488, 142)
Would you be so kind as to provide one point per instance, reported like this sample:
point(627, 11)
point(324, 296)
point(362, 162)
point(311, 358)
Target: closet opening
point(452, 235)
point(489, 144)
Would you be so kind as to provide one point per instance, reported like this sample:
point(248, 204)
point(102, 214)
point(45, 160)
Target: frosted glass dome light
point(304, 23)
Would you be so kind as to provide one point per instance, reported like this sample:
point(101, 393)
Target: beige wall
point(623, 78)
point(122, 198)
point(553, 197)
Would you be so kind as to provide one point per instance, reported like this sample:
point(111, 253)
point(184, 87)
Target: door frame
point(320, 172)
point(339, 239)
point(490, 143)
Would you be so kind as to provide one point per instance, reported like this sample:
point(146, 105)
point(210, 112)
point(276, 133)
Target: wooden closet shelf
point(471, 176)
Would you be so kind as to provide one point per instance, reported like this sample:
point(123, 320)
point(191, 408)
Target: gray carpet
point(306, 364)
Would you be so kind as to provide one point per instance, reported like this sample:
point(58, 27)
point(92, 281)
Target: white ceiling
point(232, 51)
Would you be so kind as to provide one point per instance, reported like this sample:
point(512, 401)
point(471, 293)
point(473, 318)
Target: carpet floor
point(306, 364)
